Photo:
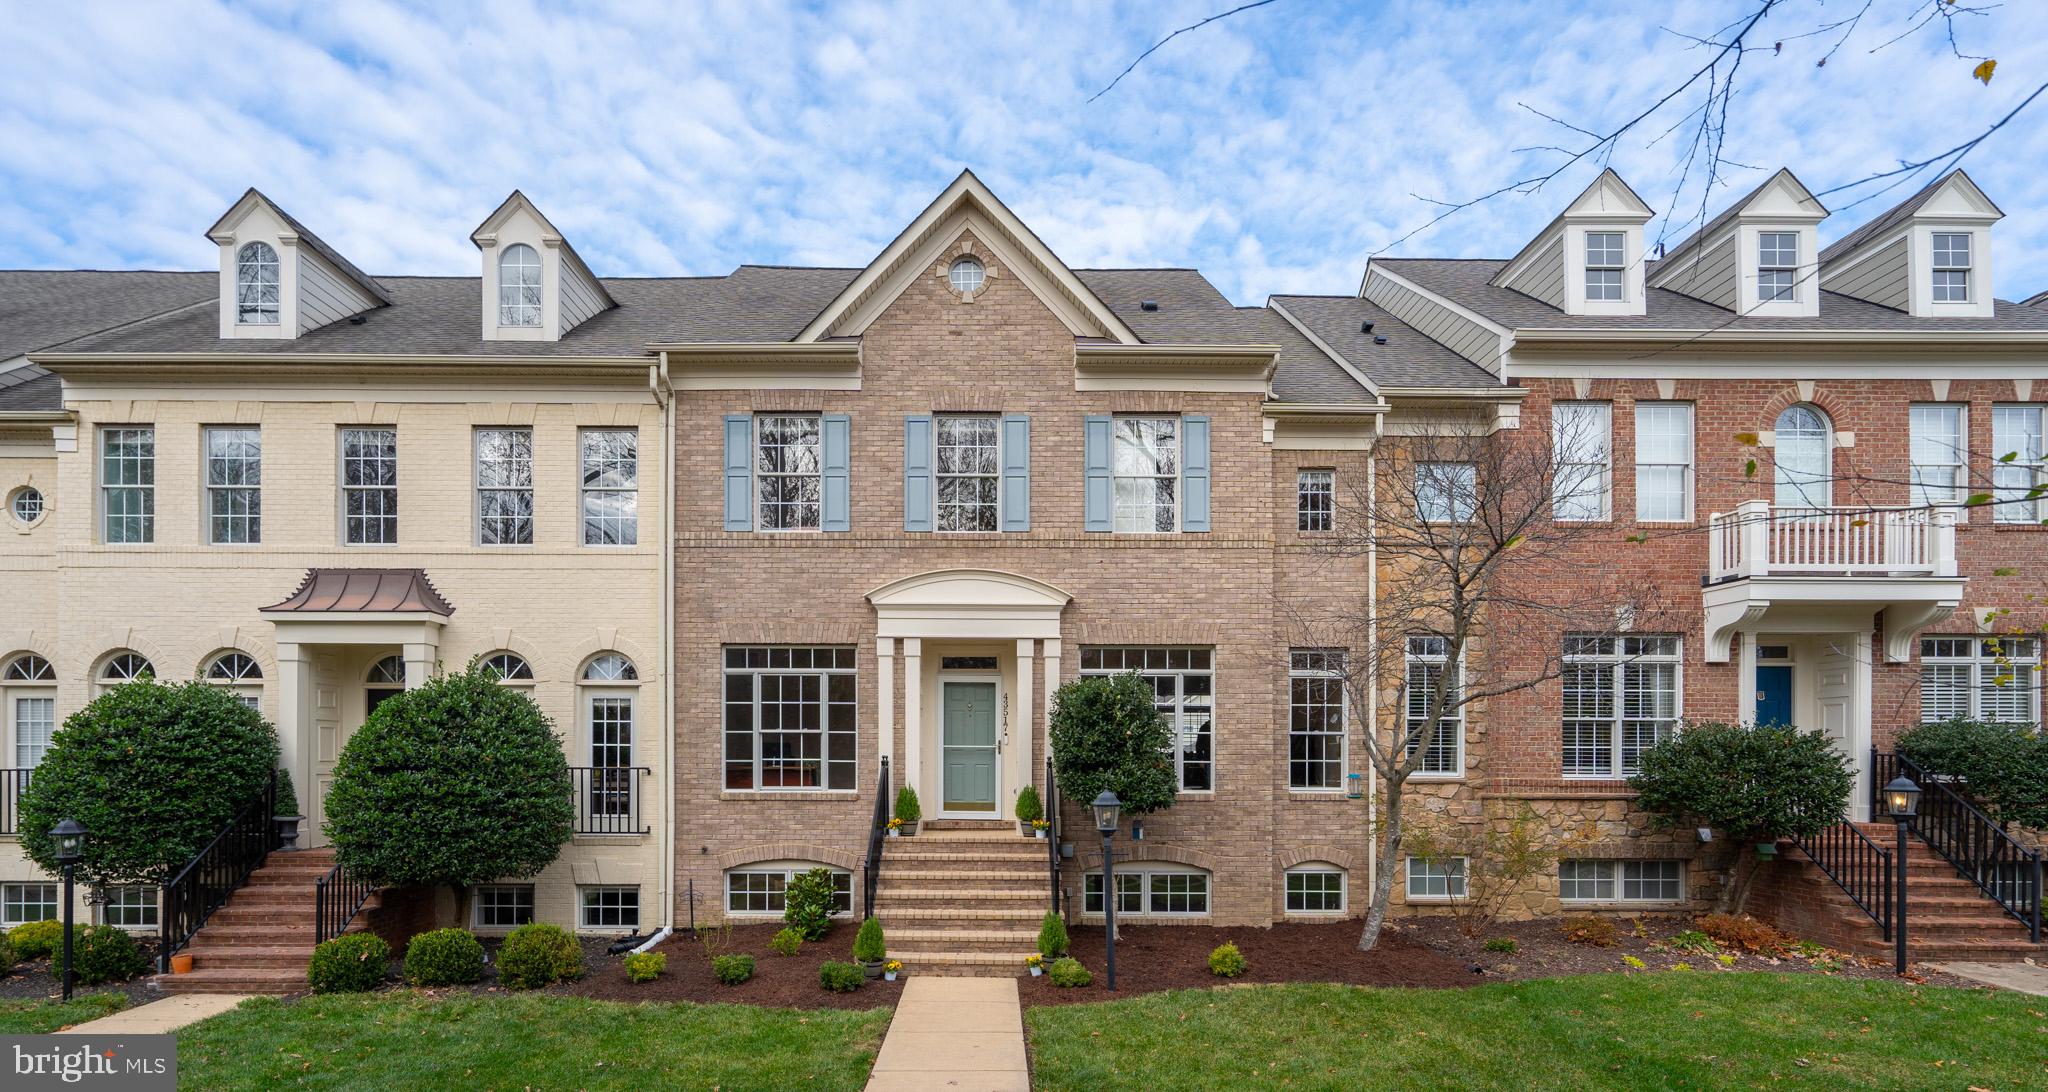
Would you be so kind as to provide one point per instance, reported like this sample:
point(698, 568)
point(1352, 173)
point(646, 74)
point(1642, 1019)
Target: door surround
point(994, 680)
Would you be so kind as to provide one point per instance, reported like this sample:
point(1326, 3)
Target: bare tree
point(1470, 562)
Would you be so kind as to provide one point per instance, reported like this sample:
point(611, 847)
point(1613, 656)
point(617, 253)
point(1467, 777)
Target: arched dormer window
point(256, 287)
point(519, 286)
point(1805, 458)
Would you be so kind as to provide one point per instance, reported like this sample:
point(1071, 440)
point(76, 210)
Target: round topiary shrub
point(841, 977)
point(459, 782)
point(1052, 936)
point(444, 957)
point(1069, 974)
point(36, 939)
point(787, 941)
point(1107, 734)
point(1226, 961)
point(106, 953)
point(351, 963)
point(732, 969)
point(537, 955)
point(154, 772)
point(807, 903)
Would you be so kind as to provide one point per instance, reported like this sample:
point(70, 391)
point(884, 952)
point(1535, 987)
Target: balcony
point(1818, 570)
point(11, 784)
point(608, 799)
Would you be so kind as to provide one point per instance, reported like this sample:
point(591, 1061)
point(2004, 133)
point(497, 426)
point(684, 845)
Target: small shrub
point(1807, 949)
point(1726, 959)
point(1692, 940)
point(537, 954)
point(6, 955)
point(1596, 932)
point(840, 977)
point(716, 940)
point(1052, 936)
point(350, 963)
point(1226, 961)
point(1681, 966)
point(1501, 944)
point(1069, 974)
point(1745, 933)
point(1634, 962)
point(36, 939)
point(786, 942)
point(647, 966)
point(444, 957)
point(732, 970)
point(868, 944)
point(1029, 808)
point(907, 807)
point(807, 903)
point(106, 953)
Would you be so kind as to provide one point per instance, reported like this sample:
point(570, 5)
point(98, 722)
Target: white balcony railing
point(1758, 539)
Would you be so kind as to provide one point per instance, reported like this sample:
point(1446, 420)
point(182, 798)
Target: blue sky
point(1275, 150)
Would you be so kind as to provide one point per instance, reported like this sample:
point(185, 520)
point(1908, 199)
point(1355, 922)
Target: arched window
point(966, 275)
point(606, 700)
point(519, 286)
point(510, 666)
point(30, 667)
point(124, 667)
point(256, 290)
point(610, 667)
point(240, 672)
point(30, 708)
point(1315, 888)
point(1805, 456)
point(389, 671)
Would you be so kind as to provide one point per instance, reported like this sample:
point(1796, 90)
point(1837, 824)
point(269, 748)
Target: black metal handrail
point(1859, 866)
point(214, 873)
point(11, 784)
point(337, 898)
point(878, 826)
point(608, 799)
point(1979, 848)
point(1052, 833)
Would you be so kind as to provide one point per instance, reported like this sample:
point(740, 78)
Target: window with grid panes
point(968, 471)
point(1315, 890)
point(1605, 257)
point(1436, 878)
point(1620, 697)
point(130, 907)
point(1939, 447)
point(1315, 718)
point(2017, 452)
point(504, 486)
point(1183, 688)
point(1951, 267)
point(1150, 891)
point(789, 718)
point(1982, 678)
point(611, 752)
point(789, 471)
point(1777, 260)
point(128, 485)
point(503, 906)
point(611, 486)
point(1315, 500)
point(21, 903)
point(1145, 474)
point(234, 485)
point(369, 486)
point(1432, 679)
point(758, 889)
point(1664, 461)
point(610, 907)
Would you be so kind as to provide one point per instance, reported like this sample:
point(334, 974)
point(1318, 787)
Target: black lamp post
point(1107, 810)
point(70, 839)
point(1902, 802)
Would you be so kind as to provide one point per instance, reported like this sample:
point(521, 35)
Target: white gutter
point(665, 394)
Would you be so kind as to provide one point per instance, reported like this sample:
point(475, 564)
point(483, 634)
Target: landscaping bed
point(39, 1017)
point(39, 979)
point(780, 981)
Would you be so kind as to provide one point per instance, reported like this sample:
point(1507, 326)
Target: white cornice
point(1236, 369)
point(753, 366)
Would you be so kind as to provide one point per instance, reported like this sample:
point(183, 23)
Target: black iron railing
point(337, 898)
point(608, 799)
point(1052, 834)
point(878, 826)
point(11, 784)
point(1979, 848)
point(205, 883)
point(1859, 866)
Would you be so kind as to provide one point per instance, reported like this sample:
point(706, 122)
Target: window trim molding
point(1180, 498)
point(1408, 660)
point(1616, 664)
point(1307, 868)
point(341, 486)
point(1464, 876)
point(1689, 470)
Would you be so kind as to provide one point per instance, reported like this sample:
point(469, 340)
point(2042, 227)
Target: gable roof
point(1605, 183)
point(1713, 228)
point(1884, 222)
point(44, 307)
point(253, 195)
point(1409, 359)
point(517, 201)
point(2038, 300)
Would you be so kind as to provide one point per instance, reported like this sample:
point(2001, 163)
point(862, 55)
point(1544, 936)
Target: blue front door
point(1774, 695)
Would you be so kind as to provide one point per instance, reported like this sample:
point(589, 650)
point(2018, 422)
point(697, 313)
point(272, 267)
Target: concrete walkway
point(960, 1033)
point(2020, 977)
point(159, 1017)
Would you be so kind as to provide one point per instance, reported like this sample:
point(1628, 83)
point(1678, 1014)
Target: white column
point(295, 719)
point(1025, 724)
point(419, 663)
point(1745, 672)
point(885, 681)
point(913, 714)
point(1860, 729)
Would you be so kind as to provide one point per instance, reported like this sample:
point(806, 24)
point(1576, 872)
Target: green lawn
point(38, 1017)
point(1648, 1031)
point(407, 1041)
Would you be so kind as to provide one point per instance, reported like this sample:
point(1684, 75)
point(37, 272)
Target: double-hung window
point(1938, 452)
point(788, 471)
point(1951, 267)
point(1620, 697)
point(504, 486)
point(1146, 474)
point(2016, 453)
point(1315, 500)
point(789, 718)
point(1183, 684)
point(611, 486)
point(969, 470)
point(1664, 461)
point(1777, 260)
point(234, 485)
point(1982, 678)
point(1579, 445)
point(256, 285)
point(1315, 718)
point(1446, 492)
point(1606, 256)
point(369, 486)
point(128, 484)
point(1433, 682)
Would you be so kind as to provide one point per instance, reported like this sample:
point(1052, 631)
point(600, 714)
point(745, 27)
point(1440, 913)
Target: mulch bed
point(779, 981)
point(37, 980)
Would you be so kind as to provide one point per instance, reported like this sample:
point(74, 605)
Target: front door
point(967, 747)
point(1774, 694)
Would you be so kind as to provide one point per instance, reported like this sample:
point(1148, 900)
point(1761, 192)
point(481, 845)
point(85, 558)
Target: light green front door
point(967, 745)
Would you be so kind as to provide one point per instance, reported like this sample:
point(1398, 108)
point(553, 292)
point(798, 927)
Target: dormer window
point(256, 285)
point(1605, 260)
point(519, 286)
point(1777, 271)
point(1951, 267)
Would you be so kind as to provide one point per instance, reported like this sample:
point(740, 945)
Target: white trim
point(991, 678)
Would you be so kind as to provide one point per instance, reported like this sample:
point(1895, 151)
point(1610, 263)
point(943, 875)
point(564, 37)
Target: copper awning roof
point(364, 591)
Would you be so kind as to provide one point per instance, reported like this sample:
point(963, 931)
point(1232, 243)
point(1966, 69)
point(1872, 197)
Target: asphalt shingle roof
point(43, 307)
point(1410, 358)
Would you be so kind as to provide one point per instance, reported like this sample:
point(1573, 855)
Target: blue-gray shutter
point(838, 437)
point(1194, 473)
point(1095, 443)
point(739, 472)
point(917, 473)
point(1016, 472)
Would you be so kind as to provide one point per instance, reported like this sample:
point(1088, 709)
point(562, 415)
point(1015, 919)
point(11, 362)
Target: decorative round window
point(27, 504)
point(965, 276)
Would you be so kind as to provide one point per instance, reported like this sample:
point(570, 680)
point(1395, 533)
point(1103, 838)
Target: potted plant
point(907, 810)
point(1039, 827)
point(1036, 963)
point(1029, 810)
point(181, 963)
point(891, 969)
point(869, 949)
point(895, 828)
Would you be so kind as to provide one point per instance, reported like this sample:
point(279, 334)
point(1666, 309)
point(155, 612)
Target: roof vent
point(1148, 305)
point(1379, 339)
point(1365, 328)
point(358, 320)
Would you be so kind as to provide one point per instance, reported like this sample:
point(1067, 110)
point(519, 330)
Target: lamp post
point(70, 839)
point(1902, 802)
point(1107, 809)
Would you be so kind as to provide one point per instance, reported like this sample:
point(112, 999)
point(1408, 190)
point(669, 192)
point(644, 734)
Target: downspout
point(664, 393)
point(1372, 636)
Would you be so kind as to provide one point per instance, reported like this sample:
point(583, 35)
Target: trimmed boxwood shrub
point(459, 782)
point(2004, 767)
point(907, 807)
point(732, 969)
point(36, 939)
point(1028, 805)
point(154, 772)
point(538, 954)
point(840, 977)
point(106, 953)
point(807, 903)
point(350, 963)
point(786, 941)
point(1226, 961)
point(444, 957)
point(869, 946)
point(647, 966)
point(1052, 936)
point(1069, 974)
point(1106, 734)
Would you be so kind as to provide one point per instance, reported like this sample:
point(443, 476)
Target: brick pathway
point(957, 1033)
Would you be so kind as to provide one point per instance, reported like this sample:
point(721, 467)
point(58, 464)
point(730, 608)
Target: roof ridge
point(173, 272)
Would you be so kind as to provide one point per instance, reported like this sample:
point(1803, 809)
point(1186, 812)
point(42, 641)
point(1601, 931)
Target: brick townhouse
point(769, 535)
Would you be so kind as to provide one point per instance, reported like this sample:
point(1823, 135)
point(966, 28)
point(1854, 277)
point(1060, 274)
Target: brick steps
point(990, 964)
point(260, 941)
point(948, 914)
point(270, 980)
point(1947, 916)
point(963, 897)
